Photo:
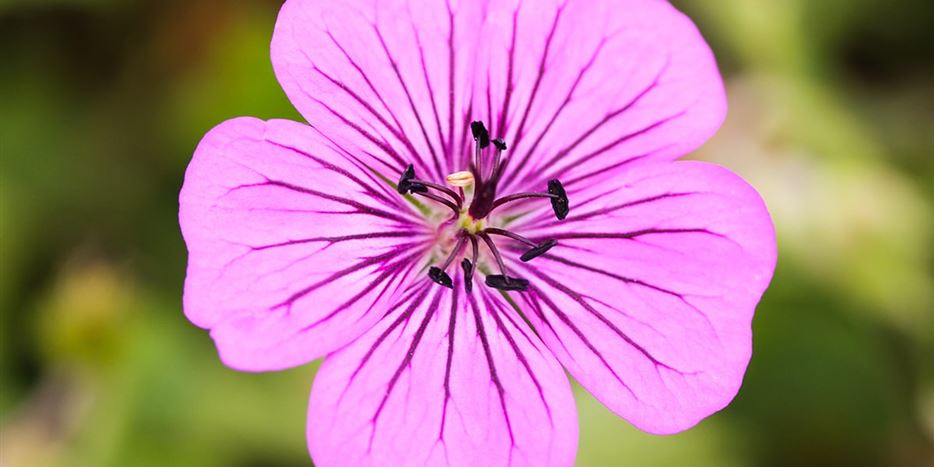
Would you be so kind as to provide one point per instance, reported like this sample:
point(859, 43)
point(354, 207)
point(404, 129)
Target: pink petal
point(294, 250)
point(590, 84)
point(574, 87)
point(380, 74)
point(648, 298)
point(446, 379)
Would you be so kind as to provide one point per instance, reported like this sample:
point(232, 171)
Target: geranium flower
point(485, 195)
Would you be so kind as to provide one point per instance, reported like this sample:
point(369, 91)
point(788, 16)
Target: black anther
point(480, 134)
point(405, 185)
point(468, 274)
point(538, 250)
point(440, 277)
point(559, 202)
point(501, 282)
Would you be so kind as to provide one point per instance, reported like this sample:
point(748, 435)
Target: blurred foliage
point(102, 103)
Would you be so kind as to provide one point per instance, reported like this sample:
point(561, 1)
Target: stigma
point(472, 219)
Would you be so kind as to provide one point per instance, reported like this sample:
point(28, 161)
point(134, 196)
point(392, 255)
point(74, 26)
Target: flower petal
point(293, 249)
point(445, 379)
point(587, 85)
point(649, 295)
point(573, 87)
point(390, 75)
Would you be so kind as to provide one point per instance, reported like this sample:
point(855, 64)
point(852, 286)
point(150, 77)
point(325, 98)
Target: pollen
point(460, 179)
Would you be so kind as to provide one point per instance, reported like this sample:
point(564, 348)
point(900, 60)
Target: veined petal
point(579, 86)
point(294, 250)
point(572, 86)
point(649, 296)
point(445, 379)
point(392, 75)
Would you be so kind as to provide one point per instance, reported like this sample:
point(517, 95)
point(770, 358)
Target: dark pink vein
point(500, 130)
point(407, 360)
point(511, 176)
point(447, 367)
point(583, 338)
point(579, 299)
point(439, 173)
point(518, 353)
point(636, 282)
point(520, 132)
point(336, 239)
point(494, 377)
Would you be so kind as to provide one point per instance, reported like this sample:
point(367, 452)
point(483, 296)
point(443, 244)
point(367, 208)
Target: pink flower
point(449, 306)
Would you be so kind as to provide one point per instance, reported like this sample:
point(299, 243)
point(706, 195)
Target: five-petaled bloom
point(486, 191)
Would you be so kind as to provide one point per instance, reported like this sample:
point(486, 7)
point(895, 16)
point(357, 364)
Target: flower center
point(480, 180)
point(468, 224)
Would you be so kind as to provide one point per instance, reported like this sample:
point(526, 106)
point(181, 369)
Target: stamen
point(484, 180)
point(480, 135)
point(476, 249)
point(438, 275)
point(409, 184)
point(497, 166)
point(468, 274)
point(455, 251)
point(518, 196)
point(502, 282)
point(453, 194)
point(405, 182)
point(506, 233)
point(559, 199)
point(439, 199)
point(413, 188)
point(499, 259)
point(560, 203)
point(538, 250)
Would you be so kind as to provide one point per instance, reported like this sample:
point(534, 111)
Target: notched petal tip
point(501, 282)
point(538, 250)
point(440, 277)
point(559, 201)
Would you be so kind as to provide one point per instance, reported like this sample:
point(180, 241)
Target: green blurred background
point(103, 101)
